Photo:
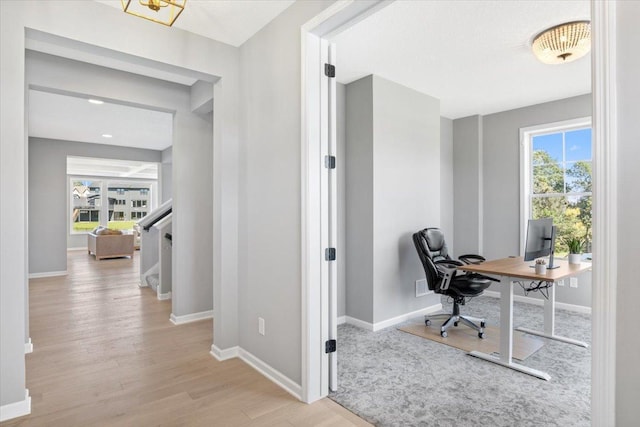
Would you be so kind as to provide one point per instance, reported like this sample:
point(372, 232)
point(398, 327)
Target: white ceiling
point(229, 21)
point(474, 56)
point(126, 169)
point(70, 118)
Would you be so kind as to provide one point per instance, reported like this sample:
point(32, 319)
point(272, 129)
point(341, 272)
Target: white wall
point(166, 175)
point(628, 289)
point(393, 190)
point(114, 30)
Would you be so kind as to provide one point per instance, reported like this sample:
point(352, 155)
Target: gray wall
point(341, 156)
point(494, 142)
point(359, 200)
point(269, 203)
point(48, 197)
point(446, 181)
point(393, 190)
point(467, 137)
point(166, 175)
point(628, 291)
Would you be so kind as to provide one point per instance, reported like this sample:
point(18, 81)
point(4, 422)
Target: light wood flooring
point(105, 354)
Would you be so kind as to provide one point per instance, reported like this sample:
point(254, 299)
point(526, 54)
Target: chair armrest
point(451, 262)
point(448, 275)
point(472, 259)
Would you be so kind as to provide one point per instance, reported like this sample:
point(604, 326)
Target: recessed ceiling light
point(96, 101)
point(106, 135)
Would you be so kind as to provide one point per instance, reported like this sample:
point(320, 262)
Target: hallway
point(105, 353)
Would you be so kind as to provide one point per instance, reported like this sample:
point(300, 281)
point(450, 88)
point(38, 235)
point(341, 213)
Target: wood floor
point(105, 354)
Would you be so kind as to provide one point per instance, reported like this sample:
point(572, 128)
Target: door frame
point(344, 14)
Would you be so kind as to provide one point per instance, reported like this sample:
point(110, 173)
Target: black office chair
point(443, 278)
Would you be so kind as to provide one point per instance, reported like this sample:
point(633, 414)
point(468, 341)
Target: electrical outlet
point(421, 288)
point(561, 282)
point(260, 325)
point(573, 282)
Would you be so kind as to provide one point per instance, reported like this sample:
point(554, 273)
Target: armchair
point(443, 278)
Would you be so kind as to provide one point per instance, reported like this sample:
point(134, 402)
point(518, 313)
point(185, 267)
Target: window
point(556, 178)
point(138, 203)
point(138, 215)
point(85, 205)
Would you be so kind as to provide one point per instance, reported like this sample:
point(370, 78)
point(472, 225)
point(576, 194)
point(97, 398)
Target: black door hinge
point(329, 70)
point(330, 346)
point(330, 162)
point(330, 254)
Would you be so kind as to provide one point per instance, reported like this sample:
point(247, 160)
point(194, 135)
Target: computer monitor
point(541, 240)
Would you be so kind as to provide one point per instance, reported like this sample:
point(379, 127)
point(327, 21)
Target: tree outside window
point(561, 183)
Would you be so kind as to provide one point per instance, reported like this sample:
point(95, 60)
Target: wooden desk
point(516, 268)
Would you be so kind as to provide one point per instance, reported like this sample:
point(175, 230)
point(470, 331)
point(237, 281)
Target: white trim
point(78, 248)
point(273, 374)
point(28, 347)
point(166, 296)
point(16, 409)
point(193, 317)
point(342, 320)
point(605, 206)
point(330, 21)
point(221, 355)
point(47, 274)
point(374, 327)
point(535, 301)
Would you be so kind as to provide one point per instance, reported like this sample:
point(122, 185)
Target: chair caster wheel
point(427, 322)
point(483, 324)
point(480, 335)
point(443, 334)
point(455, 324)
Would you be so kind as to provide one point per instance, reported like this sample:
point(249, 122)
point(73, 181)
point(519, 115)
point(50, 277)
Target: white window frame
point(526, 172)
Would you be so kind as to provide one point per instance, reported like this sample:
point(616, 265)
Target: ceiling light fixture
point(96, 101)
point(563, 43)
point(106, 135)
point(161, 11)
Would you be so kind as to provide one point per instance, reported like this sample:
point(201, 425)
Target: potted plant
point(541, 266)
point(575, 246)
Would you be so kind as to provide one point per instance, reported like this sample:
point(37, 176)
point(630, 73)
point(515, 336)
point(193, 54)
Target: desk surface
point(517, 267)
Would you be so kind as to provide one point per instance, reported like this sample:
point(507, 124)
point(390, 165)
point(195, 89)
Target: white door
point(328, 224)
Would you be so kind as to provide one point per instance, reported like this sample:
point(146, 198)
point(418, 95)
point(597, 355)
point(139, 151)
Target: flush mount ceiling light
point(161, 11)
point(563, 43)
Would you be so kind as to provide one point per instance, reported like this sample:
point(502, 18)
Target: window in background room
point(111, 193)
point(556, 179)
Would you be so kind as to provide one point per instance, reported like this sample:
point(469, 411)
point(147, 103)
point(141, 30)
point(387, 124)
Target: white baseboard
point(28, 347)
point(163, 297)
point(47, 274)
point(265, 369)
point(79, 248)
point(193, 317)
point(535, 301)
point(390, 322)
point(273, 374)
point(16, 409)
point(226, 354)
point(342, 319)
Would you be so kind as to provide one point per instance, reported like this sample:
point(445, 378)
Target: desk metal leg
point(506, 335)
point(550, 322)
